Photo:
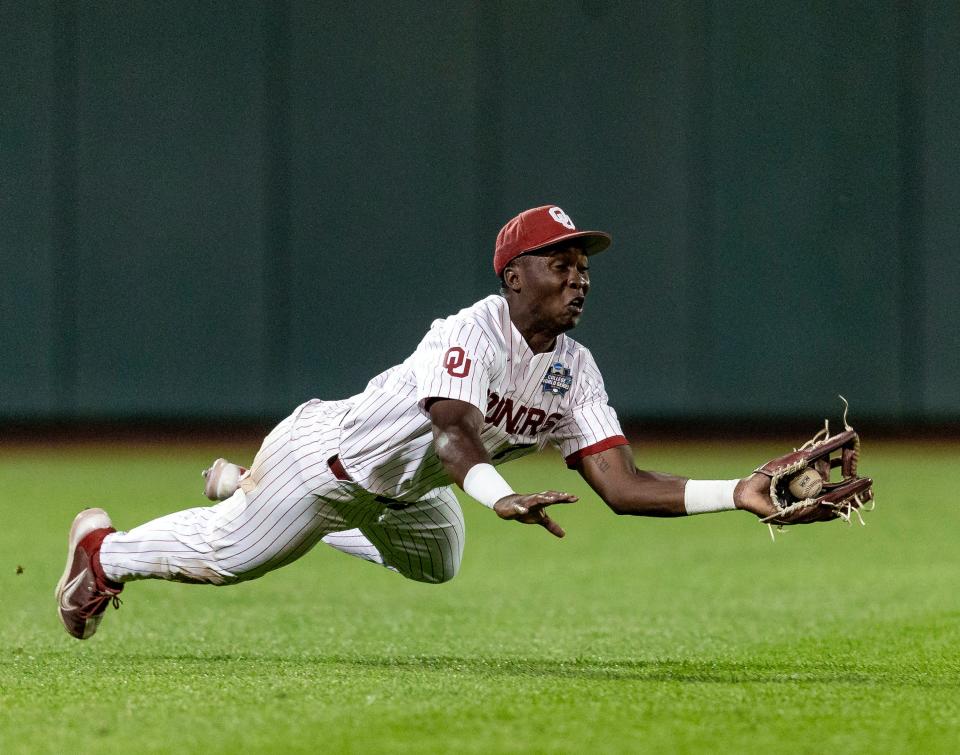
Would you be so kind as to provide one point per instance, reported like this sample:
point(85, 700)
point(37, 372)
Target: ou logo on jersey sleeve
point(456, 363)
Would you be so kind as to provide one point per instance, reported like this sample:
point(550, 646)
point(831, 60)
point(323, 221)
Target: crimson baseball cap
point(542, 227)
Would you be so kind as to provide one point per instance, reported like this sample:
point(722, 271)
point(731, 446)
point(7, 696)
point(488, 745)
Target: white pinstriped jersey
point(478, 356)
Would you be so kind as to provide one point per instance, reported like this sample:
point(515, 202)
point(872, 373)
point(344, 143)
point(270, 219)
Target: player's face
point(556, 285)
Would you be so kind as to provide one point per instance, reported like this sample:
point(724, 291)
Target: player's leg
point(241, 538)
point(222, 479)
point(244, 537)
point(278, 513)
point(281, 510)
point(423, 541)
point(276, 516)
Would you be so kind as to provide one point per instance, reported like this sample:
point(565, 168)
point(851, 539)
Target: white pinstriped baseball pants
point(287, 504)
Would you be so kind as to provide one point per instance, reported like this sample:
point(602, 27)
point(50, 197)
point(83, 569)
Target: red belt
point(336, 466)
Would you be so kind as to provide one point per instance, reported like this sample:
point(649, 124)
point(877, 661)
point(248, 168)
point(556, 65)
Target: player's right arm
point(456, 434)
point(628, 490)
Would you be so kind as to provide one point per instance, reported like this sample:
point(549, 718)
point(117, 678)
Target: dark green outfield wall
point(225, 208)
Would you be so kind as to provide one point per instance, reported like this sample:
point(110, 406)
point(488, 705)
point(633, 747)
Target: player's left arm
point(627, 490)
point(454, 365)
point(456, 432)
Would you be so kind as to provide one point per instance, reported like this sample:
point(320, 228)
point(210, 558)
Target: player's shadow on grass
point(625, 670)
point(606, 670)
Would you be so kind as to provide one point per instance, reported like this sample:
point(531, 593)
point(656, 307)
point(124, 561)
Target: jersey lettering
point(513, 421)
point(505, 410)
point(456, 363)
point(537, 420)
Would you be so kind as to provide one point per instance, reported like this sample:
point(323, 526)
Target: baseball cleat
point(223, 479)
point(83, 592)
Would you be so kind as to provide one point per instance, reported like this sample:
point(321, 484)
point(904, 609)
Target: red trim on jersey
point(603, 445)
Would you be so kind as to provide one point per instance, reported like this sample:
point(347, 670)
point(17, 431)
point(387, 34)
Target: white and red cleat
point(83, 592)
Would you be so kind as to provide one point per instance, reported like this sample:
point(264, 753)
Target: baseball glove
point(843, 498)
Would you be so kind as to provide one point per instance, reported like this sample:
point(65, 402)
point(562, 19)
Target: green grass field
point(693, 635)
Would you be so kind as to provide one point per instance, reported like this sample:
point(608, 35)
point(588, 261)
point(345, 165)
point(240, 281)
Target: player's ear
point(511, 277)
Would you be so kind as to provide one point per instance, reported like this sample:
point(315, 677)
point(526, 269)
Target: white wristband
point(484, 483)
point(705, 496)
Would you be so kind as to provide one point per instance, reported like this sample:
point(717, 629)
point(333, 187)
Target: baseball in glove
point(843, 498)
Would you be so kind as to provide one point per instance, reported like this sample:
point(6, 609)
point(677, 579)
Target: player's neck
point(540, 338)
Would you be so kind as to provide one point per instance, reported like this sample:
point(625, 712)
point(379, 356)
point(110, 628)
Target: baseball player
point(371, 475)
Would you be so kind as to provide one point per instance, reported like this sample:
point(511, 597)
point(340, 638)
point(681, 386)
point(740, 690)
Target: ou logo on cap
point(562, 218)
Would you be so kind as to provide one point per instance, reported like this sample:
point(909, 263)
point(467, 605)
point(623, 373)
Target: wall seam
point(700, 210)
point(488, 135)
point(910, 147)
point(277, 265)
point(65, 117)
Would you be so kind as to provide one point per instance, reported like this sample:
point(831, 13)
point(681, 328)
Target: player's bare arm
point(627, 490)
point(456, 434)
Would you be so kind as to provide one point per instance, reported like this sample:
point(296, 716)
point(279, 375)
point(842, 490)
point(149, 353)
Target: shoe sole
point(212, 479)
point(84, 523)
point(212, 475)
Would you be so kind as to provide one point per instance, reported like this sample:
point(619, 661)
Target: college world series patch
point(557, 380)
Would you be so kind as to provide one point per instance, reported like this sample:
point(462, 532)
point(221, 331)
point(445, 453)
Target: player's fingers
point(555, 494)
point(549, 497)
point(551, 526)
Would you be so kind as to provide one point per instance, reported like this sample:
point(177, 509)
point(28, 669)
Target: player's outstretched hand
point(529, 509)
point(753, 494)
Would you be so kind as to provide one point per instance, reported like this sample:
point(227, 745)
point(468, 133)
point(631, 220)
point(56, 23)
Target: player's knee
point(451, 567)
point(433, 578)
point(441, 573)
point(448, 573)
